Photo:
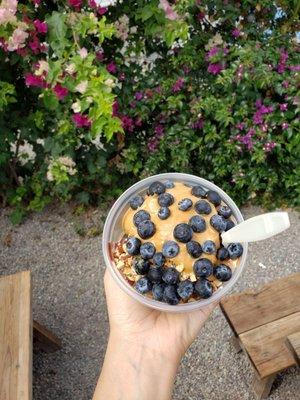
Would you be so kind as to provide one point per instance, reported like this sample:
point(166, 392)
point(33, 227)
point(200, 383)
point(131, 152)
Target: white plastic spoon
point(257, 228)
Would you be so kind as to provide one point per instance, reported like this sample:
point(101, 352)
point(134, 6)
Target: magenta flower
point(284, 126)
point(138, 96)
point(100, 55)
point(60, 91)
point(36, 2)
point(215, 68)
point(240, 126)
point(41, 27)
point(282, 62)
point(115, 109)
point(236, 33)
point(283, 107)
point(100, 10)
point(33, 80)
point(268, 146)
point(201, 16)
point(212, 52)
point(258, 103)
point(294, 68)
point(81, 120)
point(111, 67)
point(35, 45)
point(75, 4)
point(127, 123)
point(257, 118)
point(178, 85)
point(159, 131)
point(152, 144)
point(285, 84)
point(198, 124)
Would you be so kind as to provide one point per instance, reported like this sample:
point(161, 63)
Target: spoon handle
point(257, 228)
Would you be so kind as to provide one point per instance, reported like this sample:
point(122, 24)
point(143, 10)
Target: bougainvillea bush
point(96, 94)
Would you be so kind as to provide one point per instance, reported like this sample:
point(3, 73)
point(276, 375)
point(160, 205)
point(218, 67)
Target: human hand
point(165, 333)
point(144, 348)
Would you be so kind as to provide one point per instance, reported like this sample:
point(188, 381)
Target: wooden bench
point(17, 330)
point(262, 322)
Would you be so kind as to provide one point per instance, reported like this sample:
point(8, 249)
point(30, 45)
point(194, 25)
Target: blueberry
point(170, 276)
point(229, 224)
point(203, 268)
point(170, 249)
point(141, 216)
point(235, 250)
point(197, 223)
point(185, 289)
point(165, 199)
point(202, 207)
point(143, 285)
point(133, 245)
point(222, 272)
point(136, 202)
point(158, 291)
point(163, 213)
point(170, 295)
point(209, 247)
point(198, 191)
point(194, 248)
point(218, 222)
point(204, 289)
point(224, 211)
point(156, 188)
point(146, 229)
point(222, 254)
point(155, 274)
point(147, 250)
point(169, 184)
point(140, 266)
point(185, 204)
point(213, 197)
point(183, 233)
point(159, 259)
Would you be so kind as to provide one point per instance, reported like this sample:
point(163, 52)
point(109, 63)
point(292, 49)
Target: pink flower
point(34, 44)
point(170, 13)
point(138, 96)
point(236, 33)
point(40, 26)
point(215, 68)
point(285, 125)
point(240, 126)
point(258, 103)
point(33, 80)
point(178, 85)
point(81, 120)
point(60, 91)
point(100, 55)
point(75, 4)
point(83, 53)
point(285, 84)
point(127, 123)
point(111, 67)
point(17, 39)
point(283, 107)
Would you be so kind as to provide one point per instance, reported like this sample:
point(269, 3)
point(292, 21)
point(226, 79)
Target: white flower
point(40, 141)
point(89, 99)
point(49, 175)
point(25, 152)
point(81, 87)
point(133, 29)
point(98, 144)
point(83, 52)
point(76, 107)
point(105, 3)
point(109, 82)
point(70, 69)
point(43, 67)
point(67, 161)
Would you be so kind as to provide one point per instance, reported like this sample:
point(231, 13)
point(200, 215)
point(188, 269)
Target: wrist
point(135, 371)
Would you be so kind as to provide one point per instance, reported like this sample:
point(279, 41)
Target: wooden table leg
point(262, 386)
point(234, 340)
point(44, 339)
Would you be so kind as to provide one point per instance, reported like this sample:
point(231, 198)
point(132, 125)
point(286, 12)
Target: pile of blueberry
point(162, 281)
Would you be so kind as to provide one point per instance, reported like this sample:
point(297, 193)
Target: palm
point(158, 330)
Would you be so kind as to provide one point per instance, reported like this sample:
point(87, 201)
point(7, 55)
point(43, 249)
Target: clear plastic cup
point(113, 232)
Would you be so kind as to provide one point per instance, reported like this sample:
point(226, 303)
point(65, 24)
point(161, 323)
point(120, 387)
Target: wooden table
point(262, 323)
point(17, 332)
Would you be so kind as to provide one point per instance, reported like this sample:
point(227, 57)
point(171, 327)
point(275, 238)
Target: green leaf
point(57, 32)
point(50, 100)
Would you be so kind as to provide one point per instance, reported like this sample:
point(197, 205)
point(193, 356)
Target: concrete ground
point(68, 298)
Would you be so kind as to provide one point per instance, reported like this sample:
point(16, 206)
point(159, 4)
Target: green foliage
point(99, 101)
